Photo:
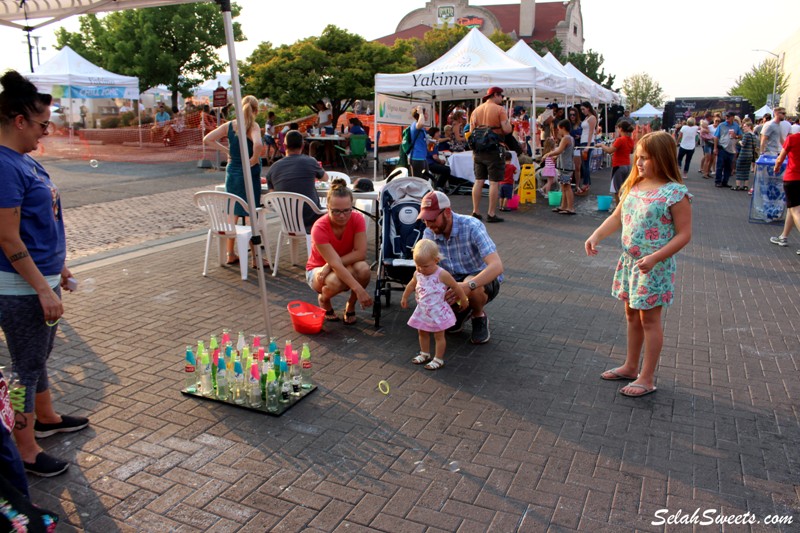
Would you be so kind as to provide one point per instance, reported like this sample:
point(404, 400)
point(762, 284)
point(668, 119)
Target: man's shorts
point(491, 289)
point(490, 165)
point(506, 190)
point(792, 190)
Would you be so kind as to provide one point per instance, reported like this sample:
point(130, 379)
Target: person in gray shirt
point(297, 173)
point(771, 135)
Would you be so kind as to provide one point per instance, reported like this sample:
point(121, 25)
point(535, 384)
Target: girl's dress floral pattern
point(646, 227)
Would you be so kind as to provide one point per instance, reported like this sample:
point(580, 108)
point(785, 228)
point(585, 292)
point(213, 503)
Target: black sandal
point(331, 316)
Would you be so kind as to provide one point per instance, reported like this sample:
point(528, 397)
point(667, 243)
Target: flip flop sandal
point(422, 359)
point(557, 210)
point(644, 390)
point(434, 364)
point(331, 316)
point(349, 314)
point(615, 376)
point(565, 212)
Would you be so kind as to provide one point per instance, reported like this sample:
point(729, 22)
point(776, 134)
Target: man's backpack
point(483, 140)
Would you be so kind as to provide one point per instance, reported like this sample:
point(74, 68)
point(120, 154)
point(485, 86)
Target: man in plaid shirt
point(470, 255)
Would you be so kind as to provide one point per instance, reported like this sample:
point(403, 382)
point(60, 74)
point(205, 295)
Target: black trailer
point(683, 108)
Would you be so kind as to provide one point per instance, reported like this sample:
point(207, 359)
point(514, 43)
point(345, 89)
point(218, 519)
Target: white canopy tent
point(761, 111)
point(69, 75)
point(465, 71)
point(580, 87)
point(15, 14)
point(599, 93)
point(548, 79)
point(647, 111)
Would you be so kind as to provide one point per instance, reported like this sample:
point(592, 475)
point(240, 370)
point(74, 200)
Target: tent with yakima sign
point(465, 71)
point(69, 75)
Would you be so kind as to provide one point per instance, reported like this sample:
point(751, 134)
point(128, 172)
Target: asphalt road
point(82, 184)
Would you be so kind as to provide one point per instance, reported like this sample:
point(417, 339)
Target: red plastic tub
point(306, 318)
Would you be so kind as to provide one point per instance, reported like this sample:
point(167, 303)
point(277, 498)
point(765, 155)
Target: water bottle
point(305, 372)
point(239, 392)
point(240, 343)
point(255, 386)
point(272, 392)
point(222, 381)
point(295, 373)
point(189, 371)
point(206, 378)
point(286, 392)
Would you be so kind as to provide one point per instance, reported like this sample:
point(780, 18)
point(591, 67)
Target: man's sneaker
point(480, 330)
point(494, 218)
point(477, 215)
point(798, 252)
point(780, 241)
point(460, 318)
point(46, 466)
point(68, 424)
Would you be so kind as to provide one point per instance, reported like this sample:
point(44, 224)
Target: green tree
point(435, 43)
point(554, 46)
point(337, 65)
point(641, 89)
point(756, 85)
point(591, 64)
point(503, 40)
point(171, 45)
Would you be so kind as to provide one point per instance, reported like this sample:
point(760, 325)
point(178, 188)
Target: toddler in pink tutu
point(433, 314)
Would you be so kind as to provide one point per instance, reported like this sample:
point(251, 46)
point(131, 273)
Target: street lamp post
point(775, 79)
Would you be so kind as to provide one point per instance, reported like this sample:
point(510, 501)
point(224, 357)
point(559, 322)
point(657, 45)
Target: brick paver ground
point(516, 435)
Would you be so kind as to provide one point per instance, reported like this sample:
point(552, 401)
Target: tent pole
point(225, 7)
point(139, 116)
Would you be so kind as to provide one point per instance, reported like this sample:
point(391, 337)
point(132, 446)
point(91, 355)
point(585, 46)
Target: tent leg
point(225, 7)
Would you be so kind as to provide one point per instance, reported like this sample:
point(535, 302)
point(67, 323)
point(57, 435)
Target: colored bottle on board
point(272, 392)
point(286, 387)
point(239, 390)
point(222, 380)
point(206, 381)
point(255, 386)
point(297, 381)
point(189, 370)
point(305, 367)
point(214, 365)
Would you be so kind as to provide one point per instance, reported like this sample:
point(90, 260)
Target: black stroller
point(400, 230)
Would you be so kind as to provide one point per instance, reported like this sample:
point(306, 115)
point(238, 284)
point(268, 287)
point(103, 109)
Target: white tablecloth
point(461, 165)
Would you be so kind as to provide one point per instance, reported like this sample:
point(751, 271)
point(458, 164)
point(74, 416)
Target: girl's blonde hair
point(549, 145)
point(660, 146)
point(426, 249)
point(249, 111)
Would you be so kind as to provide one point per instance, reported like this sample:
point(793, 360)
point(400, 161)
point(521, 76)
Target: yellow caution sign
point(527, 185)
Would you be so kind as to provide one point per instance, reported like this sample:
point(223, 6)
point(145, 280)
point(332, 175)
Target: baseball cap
point(730, 114)
point(432, 204)
point(493, 91)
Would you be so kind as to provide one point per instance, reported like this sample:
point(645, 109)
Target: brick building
point(528, 20)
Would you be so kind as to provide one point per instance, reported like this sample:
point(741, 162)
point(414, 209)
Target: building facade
point(528, 20)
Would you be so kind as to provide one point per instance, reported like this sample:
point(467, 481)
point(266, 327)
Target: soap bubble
point(87, 285)
point(94, 163)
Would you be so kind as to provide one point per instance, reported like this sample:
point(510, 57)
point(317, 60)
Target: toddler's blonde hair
point(426, 249)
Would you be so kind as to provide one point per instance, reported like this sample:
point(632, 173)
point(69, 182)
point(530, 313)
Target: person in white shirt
point(687, 139)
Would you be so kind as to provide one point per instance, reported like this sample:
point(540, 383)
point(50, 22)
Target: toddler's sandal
point(422, 359)
point(435, 364)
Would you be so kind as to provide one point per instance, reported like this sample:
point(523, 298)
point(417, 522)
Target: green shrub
point(109, 122)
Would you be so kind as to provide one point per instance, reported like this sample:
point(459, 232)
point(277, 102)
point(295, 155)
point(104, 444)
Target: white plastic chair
point(334, 174)
point(219, 207)
point(289, 207)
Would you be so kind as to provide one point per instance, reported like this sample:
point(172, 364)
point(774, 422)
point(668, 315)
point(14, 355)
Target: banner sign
point(81, 91)
point(392, 110)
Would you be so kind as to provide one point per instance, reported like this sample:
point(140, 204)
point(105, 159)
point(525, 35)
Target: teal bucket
point(554, 198)
point(603, 203)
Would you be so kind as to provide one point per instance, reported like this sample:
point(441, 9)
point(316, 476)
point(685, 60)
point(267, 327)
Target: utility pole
point(778, 65)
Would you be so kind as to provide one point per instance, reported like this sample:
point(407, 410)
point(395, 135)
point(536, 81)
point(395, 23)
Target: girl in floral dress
point(433, 314)
point(655, 216)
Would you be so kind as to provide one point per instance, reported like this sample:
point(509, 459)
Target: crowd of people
point(458, 268)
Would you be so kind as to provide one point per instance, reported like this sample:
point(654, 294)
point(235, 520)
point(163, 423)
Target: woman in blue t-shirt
point(32, 269)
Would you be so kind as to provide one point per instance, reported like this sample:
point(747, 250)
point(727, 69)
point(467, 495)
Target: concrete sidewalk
point(516, 435)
